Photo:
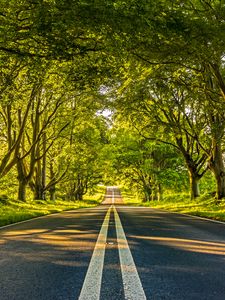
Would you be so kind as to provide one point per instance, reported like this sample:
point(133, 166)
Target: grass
point(16, 211)
point(204, 206)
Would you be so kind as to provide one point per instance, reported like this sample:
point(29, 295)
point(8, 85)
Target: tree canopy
point(157, 67)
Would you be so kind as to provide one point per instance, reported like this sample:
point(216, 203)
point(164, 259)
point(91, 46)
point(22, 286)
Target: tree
point(140, 163)
point(165, 110)
point(86, 162)
point(175, 48)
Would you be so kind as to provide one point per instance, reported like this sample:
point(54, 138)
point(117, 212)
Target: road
point(113, 252)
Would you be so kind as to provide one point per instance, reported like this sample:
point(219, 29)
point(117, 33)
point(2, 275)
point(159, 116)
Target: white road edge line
point(92, 283)
point(187, 215)
point(133, 289)
point(173, 212)
point(49, 215)
point(32, 219)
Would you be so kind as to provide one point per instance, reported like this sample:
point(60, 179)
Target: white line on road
point(91, 289)
point(133, 289)
point(92, 282)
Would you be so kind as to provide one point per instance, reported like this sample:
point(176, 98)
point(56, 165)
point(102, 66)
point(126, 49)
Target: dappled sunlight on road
point(69, 244)
point(53, 247)
point(108, 200)
point(27, 232)
point(71, 263)
point(206, 247)
point(55, 237)
point(112, 196)
point(65, 242)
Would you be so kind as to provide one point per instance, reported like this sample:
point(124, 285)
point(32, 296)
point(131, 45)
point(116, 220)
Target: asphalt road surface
point(113, 252)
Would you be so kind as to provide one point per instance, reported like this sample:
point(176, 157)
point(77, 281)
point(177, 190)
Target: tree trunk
point(79, 190)
point(154, 195)
point(79, 195)
point(22, 190)
point(39, 192)
point(39, 189)
point(52, 193)
point(52, 188)
point(217, 167)
point(44, 165)
point(194, 167)
point(22, 180)
point(160, 192)
point(194, 185)
point(147, 193)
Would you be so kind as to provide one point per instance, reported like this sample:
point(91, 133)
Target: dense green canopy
point(157, 66)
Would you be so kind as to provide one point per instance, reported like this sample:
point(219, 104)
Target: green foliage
point(157, 65)
point(86, 166)
point(205, 206)
point(144, 165)
point(16, 211)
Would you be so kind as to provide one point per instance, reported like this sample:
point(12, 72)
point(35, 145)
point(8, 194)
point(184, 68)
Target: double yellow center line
point(91, 289)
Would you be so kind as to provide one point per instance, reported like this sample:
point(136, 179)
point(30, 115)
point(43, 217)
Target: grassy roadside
point(16, 211)
point(204, 206)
